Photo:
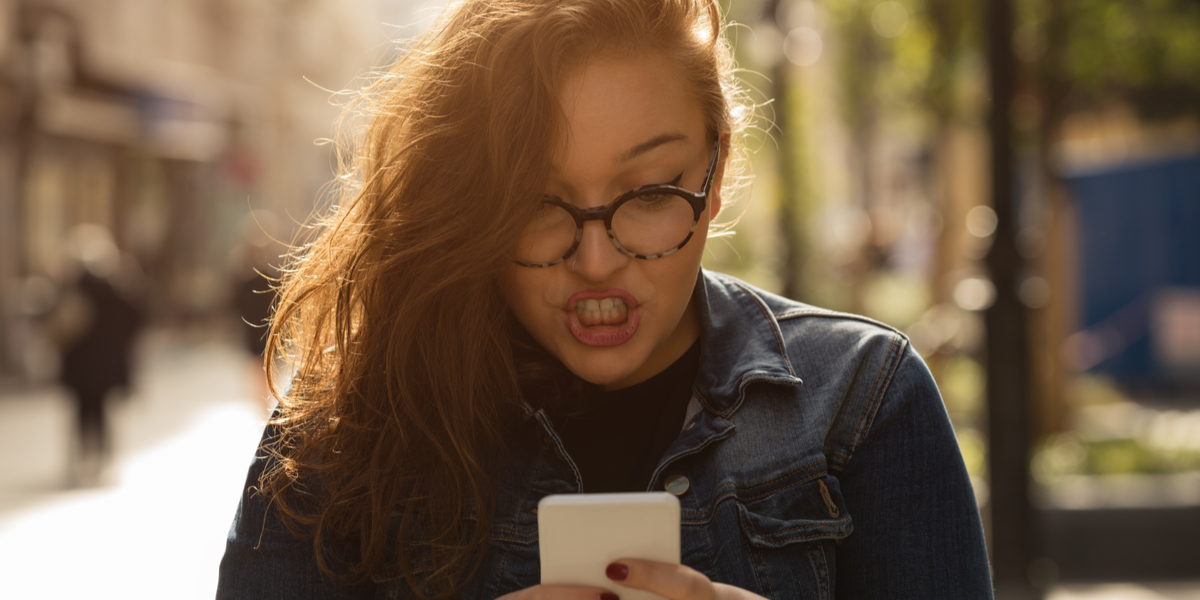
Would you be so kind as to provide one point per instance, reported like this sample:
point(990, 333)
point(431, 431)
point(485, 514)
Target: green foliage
point(962, 380)
point(1069, 454)
point(1145, 52)
point(917, 70)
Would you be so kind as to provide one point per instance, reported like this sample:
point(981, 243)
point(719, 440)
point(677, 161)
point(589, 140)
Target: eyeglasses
point(648, 222)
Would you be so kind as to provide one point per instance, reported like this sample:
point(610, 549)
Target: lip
point(603, 336)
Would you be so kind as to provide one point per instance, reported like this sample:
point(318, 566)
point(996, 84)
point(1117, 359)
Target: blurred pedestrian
point(95, 324)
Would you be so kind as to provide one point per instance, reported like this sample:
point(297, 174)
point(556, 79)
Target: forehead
point(614, 104)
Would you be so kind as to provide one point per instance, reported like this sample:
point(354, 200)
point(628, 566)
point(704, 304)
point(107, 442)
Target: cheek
point(522, 289)
point(676, 279)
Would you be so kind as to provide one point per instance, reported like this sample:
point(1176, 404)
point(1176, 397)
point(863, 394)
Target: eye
point(653, 202)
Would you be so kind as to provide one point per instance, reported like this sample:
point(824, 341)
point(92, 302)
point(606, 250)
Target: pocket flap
point(812, 510)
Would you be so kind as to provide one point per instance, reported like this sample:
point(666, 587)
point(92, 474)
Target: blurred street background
point(1015, 184)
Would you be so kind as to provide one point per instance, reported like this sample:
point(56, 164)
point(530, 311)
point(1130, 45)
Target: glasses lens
point(654, 222)
point(547, 237)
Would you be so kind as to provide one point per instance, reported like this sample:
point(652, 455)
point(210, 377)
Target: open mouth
point(602, 311)
point(603, 319)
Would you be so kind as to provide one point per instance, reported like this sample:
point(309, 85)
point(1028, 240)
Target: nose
point(597, 257)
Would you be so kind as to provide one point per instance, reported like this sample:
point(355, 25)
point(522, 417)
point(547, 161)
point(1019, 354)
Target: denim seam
point(891, 364)
point(511, 535)
point(781, 478)
point(840, 521)
point(757, 378)
point(704, 400)
point(544, 421)
point(499, 573)
point(704, 535)
point(734, 492)
point(717, 500)
point(695, 449)
point(821, 570)
point(806, 312)
point(808, 537)
point(507, 538)
point(707, 517)
point(833, 314)
point(513, 530)
point(839, 457)
point(756, 560)
point(774, 327)
point(841, 460)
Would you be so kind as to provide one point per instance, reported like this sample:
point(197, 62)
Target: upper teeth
point(606, 307)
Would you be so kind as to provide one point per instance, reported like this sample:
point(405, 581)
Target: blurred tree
point(954, 33)
point(905, 60)
point(790, 170)
point(1146, 53)
point(858, 69)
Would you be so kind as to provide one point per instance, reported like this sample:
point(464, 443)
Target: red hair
point(407, 375)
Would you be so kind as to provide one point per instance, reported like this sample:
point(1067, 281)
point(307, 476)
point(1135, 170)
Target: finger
point(560, 592)
point(677, 582)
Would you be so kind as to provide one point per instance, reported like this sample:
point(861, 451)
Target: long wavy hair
point(406, 370)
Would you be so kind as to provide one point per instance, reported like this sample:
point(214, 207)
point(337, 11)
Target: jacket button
point(677, 484)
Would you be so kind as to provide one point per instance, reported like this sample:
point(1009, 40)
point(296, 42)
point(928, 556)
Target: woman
point(508, 303)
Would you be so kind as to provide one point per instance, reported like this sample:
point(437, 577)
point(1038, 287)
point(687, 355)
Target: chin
point(603, 370)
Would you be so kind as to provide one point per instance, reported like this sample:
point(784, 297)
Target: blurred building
point(166, 122)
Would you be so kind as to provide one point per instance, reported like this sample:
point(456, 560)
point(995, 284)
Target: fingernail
point(608, 596)
point(617, 572)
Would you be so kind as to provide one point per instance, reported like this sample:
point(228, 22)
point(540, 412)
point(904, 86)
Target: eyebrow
point(649, 145)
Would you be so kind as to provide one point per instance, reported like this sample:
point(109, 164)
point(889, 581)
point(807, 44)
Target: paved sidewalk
point(156, 526)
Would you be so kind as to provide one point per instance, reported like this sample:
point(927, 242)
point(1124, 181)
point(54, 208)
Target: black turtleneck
point(619, 438)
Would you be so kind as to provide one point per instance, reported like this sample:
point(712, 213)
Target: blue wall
point(1139, 231)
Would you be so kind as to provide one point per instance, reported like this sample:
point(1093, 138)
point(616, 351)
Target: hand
point(674, 582)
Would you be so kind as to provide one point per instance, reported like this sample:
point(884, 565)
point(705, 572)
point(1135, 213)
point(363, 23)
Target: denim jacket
point(816, 456)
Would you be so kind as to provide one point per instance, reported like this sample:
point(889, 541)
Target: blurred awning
point(92, 117)
point(173, 110)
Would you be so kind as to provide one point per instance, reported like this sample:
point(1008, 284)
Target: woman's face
point(631, 122)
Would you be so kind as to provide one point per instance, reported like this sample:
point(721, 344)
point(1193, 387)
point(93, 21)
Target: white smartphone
point(579, 535)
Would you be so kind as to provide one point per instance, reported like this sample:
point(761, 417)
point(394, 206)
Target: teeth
point(606, 311)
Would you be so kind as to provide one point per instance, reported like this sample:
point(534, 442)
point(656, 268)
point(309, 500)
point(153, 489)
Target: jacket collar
point(741, 343)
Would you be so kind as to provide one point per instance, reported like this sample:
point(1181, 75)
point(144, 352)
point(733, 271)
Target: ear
point(714, 203)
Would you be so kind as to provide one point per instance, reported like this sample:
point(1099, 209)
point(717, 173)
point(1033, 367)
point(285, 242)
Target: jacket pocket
point(806, 511)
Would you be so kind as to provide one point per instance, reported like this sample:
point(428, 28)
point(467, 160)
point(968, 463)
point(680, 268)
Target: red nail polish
point(608, 596)
point(617, 572)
